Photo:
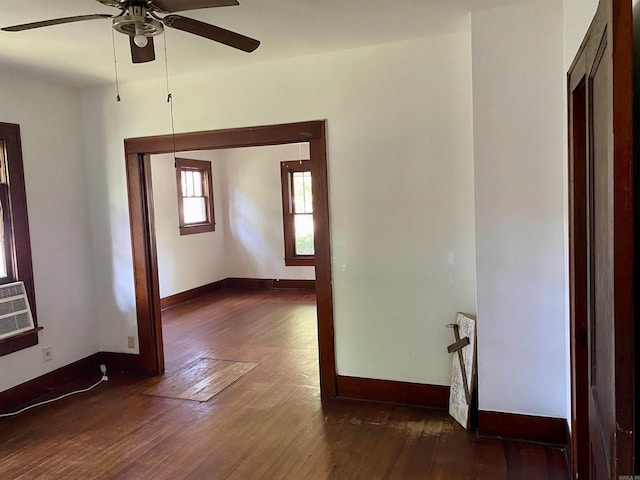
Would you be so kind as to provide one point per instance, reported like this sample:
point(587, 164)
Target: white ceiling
point(81, 54)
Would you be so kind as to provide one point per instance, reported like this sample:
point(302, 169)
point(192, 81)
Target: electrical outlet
point(131, 341)
point(47, 354)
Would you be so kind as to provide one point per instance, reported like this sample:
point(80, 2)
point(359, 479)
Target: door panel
point(600, 221)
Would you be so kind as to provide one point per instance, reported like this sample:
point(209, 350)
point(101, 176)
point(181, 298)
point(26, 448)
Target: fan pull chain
point(115, 64)
point(170, 100)
point(173, 131)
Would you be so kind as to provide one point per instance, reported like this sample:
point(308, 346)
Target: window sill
point(299, 261)
point(188, 230)
point(19, 342)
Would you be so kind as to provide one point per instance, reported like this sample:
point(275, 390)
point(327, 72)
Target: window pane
point(195, 210)
point(304, 234)
point(302, 198)
point(298, 196)
point(197, 184)
point(308, 197)
point(183, 178)
point(189, 191)
point(4, 232)
point(3, 261)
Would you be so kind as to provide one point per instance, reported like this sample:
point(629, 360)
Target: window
point(297, 211)
point(195, 196)
point(15, 245)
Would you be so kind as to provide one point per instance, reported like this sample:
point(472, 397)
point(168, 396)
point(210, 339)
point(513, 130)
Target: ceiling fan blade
point(142, 55)
point(111, 3)
point(211, 32)
point(56, 21)
point(182, 5)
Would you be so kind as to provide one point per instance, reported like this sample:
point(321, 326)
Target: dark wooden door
point(601, 246)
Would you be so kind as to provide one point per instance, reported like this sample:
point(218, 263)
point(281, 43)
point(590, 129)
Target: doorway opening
point(145, 259)
point(245, 300)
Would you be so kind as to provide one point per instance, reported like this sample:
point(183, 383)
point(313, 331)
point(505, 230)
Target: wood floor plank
point(269, 424)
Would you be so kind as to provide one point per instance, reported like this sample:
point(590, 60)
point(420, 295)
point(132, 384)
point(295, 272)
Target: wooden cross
point(457, 346)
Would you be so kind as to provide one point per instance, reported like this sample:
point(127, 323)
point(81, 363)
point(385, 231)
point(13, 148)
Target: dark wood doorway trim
point(578, 281)
point(138, 153)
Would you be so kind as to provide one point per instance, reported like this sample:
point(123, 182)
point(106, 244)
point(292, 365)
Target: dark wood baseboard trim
point(42, 387)
point(295, 284)
point(173, 300)
point(528, 428)
point(269, 283)
point(51, 384)
point(123, 362)
point(243, 283)
point(250, 283)
point(387, 391)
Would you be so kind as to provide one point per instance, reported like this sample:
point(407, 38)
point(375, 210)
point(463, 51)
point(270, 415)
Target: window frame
point(291, 258)
point(19, 261)
point(205, 168)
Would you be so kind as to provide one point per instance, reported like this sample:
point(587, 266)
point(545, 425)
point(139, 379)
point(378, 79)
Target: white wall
point(577, 18)
point(248, 241)
point(255, 235)
point(55, 176)
point(186, 261)
point(518, 85)
point(400, 187)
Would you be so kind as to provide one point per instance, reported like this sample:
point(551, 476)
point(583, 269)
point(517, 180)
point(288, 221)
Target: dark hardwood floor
point(269, 424)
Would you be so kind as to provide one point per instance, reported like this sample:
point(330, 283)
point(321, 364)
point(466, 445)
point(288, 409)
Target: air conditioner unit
point(15, 313)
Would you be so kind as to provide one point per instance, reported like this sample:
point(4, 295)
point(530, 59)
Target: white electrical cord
point(84, 390)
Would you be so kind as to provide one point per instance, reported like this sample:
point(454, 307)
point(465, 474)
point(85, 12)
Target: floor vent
point(15, 314)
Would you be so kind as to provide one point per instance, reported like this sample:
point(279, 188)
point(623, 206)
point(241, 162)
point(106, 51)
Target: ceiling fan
point(141, 21)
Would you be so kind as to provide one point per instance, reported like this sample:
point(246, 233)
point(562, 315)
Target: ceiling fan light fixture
point(140, 39)
point(138, 26)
